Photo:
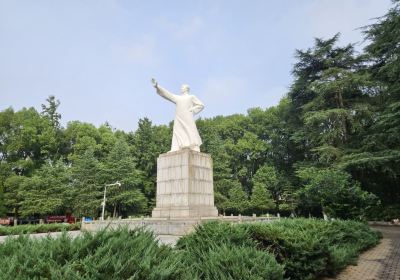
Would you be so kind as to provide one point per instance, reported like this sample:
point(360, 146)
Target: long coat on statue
point(185, 134)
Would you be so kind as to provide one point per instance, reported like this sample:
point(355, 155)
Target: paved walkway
point(379, 263)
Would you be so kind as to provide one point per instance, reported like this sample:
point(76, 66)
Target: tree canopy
point(331, 145)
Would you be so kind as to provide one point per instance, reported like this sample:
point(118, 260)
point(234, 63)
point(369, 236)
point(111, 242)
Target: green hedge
point(24, 229)
point(307, 248)
point(106, 255)
point(287, 249)
point(123, 254)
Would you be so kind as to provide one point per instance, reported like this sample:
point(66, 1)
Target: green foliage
point(120, 166)
point(384, 50)
point(86, 185)
point(261, 200)
point(290, 249)
point(383, 213)
point(226, 262)
point(45, 192)
point(237, 202)
point(217, 233)
point(106, 255)
point(221, 251)
point(307, 248)
point(147, 143)
point(40, 228)
point(334, 194)
point(50, 111)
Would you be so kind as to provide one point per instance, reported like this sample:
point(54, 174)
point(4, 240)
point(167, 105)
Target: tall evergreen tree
point(87, 188)
point(120, 166)
point(47, 191)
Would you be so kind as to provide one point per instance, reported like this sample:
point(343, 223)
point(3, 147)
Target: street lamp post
point(104, 197)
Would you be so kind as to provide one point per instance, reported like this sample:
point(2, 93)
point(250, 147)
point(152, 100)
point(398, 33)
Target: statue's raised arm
point(163, 92)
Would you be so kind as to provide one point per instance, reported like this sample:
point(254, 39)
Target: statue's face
point(185, 89)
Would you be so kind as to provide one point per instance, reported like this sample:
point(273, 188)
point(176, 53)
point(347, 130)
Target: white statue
point(185, 134)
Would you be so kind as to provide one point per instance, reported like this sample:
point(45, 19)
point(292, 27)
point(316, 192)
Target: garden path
point(379, 263)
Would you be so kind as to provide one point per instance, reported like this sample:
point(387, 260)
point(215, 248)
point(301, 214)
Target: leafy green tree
point(222, 193)
point(271, 126)
point(261, 200)
point(50, 111)
point(12, 193)
point(268, 177)
point(220, 201)
point(247, 155)
point(86, 186)
point(214, 144)
point(6, 126)
point(5, 172)
point(147, 143)
point(120, 166)
point(238, 202)
point(384, 51)
point(375, 159)
point(26, 135)
point(107, 140)
point(46, 192)
point(330, 93)
point(80, 138)
point(334, 194)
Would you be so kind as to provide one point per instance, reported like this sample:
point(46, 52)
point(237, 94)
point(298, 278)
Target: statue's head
point(185, 89)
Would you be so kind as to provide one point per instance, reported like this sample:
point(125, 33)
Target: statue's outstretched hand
point(154, 82)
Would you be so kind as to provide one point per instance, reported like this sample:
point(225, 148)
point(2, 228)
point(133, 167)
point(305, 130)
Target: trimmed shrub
point(285, 249)
point(215, 233)
point(230, 262)
point(119, 254)
point(221, 251)
point(307, 248)
point(40, 228)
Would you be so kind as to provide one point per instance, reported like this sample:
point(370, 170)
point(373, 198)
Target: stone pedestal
point(184, 185)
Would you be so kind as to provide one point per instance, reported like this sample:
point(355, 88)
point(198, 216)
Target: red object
point(6, 222)
point(61, 219)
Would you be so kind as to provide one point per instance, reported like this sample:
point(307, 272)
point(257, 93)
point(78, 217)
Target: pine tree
point(261, 200)
point(120, 166)
point(86, 189)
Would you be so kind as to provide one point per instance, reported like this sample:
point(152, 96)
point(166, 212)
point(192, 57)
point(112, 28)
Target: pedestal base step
point(185, 212)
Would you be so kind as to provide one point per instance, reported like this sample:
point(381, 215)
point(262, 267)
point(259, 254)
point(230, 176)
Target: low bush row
point(288, 249)
point(24, 229)
point(307, 248)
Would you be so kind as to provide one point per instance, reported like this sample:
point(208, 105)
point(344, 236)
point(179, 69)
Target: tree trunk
point(115, 211)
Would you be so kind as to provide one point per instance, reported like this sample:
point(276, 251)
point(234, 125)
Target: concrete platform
point(170, 227)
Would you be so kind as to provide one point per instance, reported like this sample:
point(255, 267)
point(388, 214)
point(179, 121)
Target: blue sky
point(97, 57)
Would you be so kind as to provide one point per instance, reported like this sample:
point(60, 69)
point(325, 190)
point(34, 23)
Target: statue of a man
point(185, 134)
